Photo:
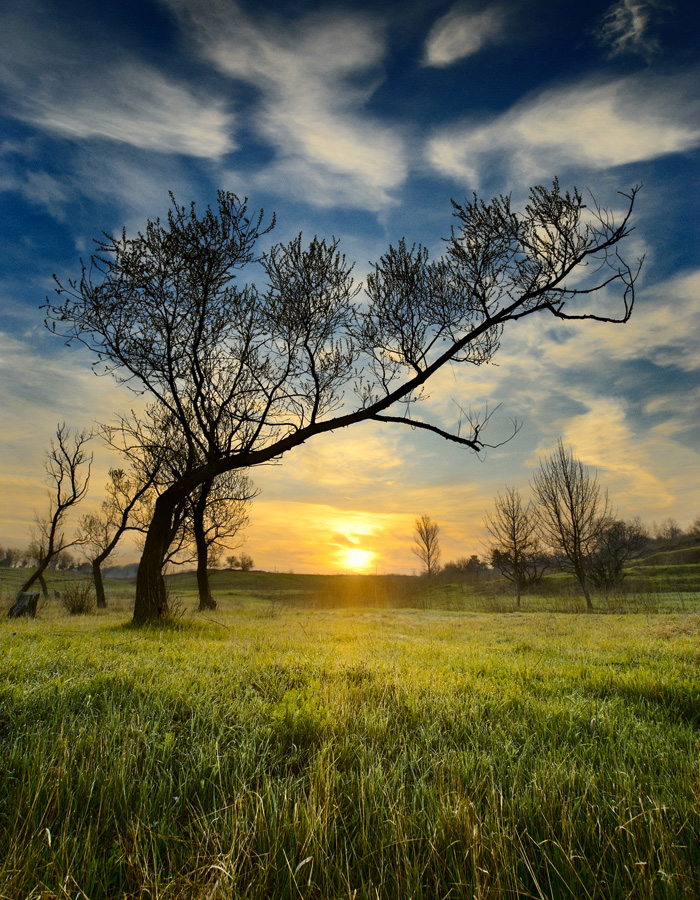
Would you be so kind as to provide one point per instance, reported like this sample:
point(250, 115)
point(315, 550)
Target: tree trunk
point(586, 594)
point(151, 602)
point(517, 592)
point(99, 585)
point(206, 601)
point(583, 581)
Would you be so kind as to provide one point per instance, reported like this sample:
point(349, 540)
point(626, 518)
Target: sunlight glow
point(358, 559)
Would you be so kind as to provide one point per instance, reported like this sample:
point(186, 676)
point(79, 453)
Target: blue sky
point(362, 120)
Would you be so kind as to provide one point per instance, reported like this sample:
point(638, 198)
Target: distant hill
point(123, 573)
point(683, 557)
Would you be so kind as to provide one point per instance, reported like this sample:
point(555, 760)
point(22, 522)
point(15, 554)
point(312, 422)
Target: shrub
point(78, 598)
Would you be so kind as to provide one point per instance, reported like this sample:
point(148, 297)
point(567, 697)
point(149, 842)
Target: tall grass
point(357, 754)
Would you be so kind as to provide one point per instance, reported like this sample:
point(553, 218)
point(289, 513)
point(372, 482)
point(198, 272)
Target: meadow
point(439, 745)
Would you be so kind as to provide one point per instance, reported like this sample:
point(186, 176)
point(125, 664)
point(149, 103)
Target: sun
point(358, 559)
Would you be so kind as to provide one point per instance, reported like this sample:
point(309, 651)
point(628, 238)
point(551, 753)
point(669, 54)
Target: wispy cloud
point(315, 76)
point(461, 33)
point(135, 104)
point(633, 464)
point(43, 73)
point(625, 27)
point(591, 125)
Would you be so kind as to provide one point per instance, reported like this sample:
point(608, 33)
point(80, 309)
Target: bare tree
point(514, 548)
point(694, 528)
point(463, 568)
point(249, 373)
point(618, 543)
point(100, 532)
point(668, 530)
point(573, 513)
point(68, 469)
point(427, 544)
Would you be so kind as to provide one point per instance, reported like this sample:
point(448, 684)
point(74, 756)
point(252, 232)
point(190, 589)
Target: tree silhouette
point(573, 513)
point(217, 512)
point(248, 373)
point(514, 548)
point(618, 543)
point(100, 532)
point(68, 473)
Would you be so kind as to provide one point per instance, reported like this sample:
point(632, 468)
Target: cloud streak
point(135, 104)
point(594, 125)
point(123, 99)
point(315, 76)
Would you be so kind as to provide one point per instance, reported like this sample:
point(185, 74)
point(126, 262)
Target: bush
point(78, 598)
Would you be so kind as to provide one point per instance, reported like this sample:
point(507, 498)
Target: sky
point(362, 121)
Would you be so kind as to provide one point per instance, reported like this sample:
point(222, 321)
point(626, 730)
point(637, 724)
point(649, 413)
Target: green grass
point(267, 750)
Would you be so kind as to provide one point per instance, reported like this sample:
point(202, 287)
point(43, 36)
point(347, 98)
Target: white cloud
point(135, 104)
point(605, 439)
point(625, 27)
point(41, 189)
point(312, 74)
point(461, 33)
point(591, 125)
point(84, 89)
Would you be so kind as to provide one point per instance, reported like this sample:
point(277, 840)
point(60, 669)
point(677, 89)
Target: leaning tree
point(249, 372)
point(206, 521)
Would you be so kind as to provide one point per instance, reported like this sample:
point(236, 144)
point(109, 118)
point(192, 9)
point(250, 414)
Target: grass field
point(273, 749)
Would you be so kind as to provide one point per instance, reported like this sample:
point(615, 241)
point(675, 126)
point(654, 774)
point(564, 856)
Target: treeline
point(15, 558)
point(567, 524)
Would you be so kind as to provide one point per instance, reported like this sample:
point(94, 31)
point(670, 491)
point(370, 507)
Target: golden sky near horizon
point(348, 501)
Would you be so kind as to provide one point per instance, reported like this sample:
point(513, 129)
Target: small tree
point(63, 561)
point(100, 532)
point(427, 544)
point(10, 557)
point(618, 543)
point(694, 528)
point(456, 569)
point(572, 512)
point(514, 548)
point(244, 562)
point(68, 469)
